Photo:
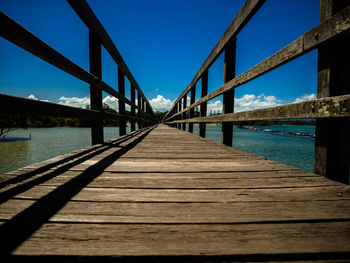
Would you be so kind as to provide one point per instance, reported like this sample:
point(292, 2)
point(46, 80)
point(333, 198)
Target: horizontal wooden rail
point(22, 106)
point(247, 11)
point(21, 37)
point(85, 13)
point(330, 107)
point(334, 27)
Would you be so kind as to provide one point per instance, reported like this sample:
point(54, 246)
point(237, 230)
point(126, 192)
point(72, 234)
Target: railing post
point(139, 112)
point(203, 107)
point(332, 142)
point(144, 124)
point(193, 98)
point(95, 93)
point(121, 90)
point(179, 106)
point(229, 96)
point(184, 114)
point(132, 97)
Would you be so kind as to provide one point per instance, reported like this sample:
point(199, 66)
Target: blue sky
point(164, 43)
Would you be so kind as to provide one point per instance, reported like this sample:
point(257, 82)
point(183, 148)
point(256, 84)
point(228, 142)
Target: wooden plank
point(95, 93)
point(85, 13)
point(326, 193)
point(203, 107)
point(180, 213)
point(21, 37)
point(327, 31)
point(247, 11)
point(229, 96)
point(213, 239)
point(330, 107)
point(137, 182)
point(332, 142)
point(121, 104)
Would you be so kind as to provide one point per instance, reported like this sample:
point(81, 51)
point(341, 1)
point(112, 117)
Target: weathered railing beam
point(203, 108)
point(330, 107)
point(96, 93)
point(247, 11)
point(83, 10)
point(326, 32)
point(229, 96)
point(332, 142)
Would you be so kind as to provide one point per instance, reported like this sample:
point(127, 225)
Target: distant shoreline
point(278, 132)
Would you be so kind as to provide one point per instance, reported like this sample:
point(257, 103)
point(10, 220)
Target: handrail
point(85, 13)
point(247, 11)
point(326, 31)
point(21, 37)
point(331, 35)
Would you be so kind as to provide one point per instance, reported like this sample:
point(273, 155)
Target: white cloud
point(305, 97)
point(111, 102)
point(214, 107)
point(74, 101)
point(32, 97)
point(160, 103)
point(252, 102)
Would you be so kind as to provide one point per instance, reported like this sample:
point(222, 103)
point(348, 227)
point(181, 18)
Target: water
point(292, 150)
point(45, 144)
point(50, 142)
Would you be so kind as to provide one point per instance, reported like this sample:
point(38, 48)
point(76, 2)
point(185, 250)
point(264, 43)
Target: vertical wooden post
point(132, 97)
point(332, 142)
point(121, 90)
point(139, 112)
point(203, 107)
point(179, 105)
point(184, 114)
point(193, 98)
point(229, 96)
point(144, 124)
point(95, 93)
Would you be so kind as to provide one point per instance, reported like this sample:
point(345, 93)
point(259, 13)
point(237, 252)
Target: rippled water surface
point(45, 144)
point(50, 142)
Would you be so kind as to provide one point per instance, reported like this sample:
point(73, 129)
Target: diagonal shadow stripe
point(8, 194)
point(17, 230)
point(47, 167)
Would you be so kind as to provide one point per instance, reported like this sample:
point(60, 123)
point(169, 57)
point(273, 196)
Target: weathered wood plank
point(186, 195)
point(337, 106)
point(242, 239)
point(175, 213)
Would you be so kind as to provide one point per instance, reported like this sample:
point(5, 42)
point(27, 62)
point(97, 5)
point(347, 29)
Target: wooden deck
point(161, 193)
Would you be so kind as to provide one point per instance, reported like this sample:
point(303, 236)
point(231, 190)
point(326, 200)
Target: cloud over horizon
point(245, 103)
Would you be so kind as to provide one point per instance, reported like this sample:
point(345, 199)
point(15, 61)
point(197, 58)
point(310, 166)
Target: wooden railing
point(331, 109)
point(98, 36)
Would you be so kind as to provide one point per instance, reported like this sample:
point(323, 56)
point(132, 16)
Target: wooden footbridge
point(164, 194)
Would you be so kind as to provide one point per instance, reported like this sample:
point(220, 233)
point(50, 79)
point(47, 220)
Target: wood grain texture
point(247, 11)
point(329, 30)
point(163, 192)
point(330, 107)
